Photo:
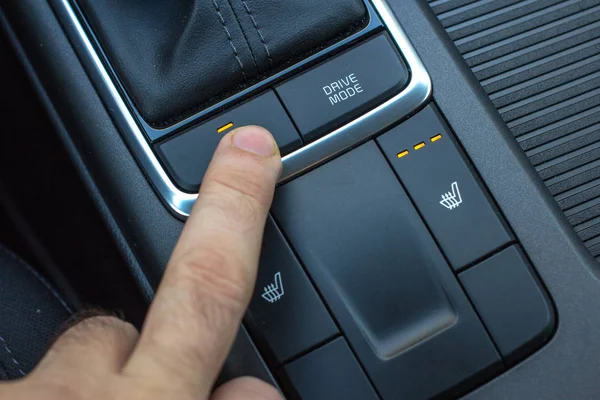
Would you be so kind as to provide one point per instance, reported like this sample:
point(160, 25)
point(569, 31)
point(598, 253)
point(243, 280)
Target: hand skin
point(198, 307)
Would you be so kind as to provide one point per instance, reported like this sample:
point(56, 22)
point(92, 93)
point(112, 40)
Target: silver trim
point(411, 98)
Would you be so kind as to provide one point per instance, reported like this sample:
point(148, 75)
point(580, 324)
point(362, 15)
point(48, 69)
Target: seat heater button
point(343, 88)
point(435, 173)
point(286, 313)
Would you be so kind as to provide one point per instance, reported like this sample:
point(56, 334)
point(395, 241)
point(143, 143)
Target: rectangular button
point(330, 372)
point(387, 284)
point(429, 163)
point(186, 156)
point(343, 88)
point(511, 302)
point(286, 313)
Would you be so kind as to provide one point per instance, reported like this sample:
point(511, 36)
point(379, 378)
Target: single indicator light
point(225, 127)
point(403, 154)
point(419, 146)
point(436, 138)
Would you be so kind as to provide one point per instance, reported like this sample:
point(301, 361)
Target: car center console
point(410, 252)
point(375, 285)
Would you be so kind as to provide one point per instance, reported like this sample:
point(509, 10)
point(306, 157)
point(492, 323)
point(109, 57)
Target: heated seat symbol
point(453, 199)
point(274, 291)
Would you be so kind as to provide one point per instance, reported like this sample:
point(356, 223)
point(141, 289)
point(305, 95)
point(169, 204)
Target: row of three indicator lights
point(419, 146)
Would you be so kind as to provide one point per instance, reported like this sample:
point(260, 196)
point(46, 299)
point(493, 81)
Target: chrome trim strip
point(410, 99)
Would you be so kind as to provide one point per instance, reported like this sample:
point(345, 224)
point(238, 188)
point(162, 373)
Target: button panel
point(344, 87)
point(285, 312)
point(384, 280)
point(454, 204)
point(186, 163)
point(395, 298)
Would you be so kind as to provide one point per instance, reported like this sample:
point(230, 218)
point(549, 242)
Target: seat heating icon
point(274, 291)
point(453, 199)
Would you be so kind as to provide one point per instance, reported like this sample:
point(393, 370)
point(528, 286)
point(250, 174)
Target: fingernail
point(255, 140)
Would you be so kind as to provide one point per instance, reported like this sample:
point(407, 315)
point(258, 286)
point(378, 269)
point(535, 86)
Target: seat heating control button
point(187, 155)
point(339, 90)
point(330, 372)
point(511, 302)
point(286, 313)
point(429, 163)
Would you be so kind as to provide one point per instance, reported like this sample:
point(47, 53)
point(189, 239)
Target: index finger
point(208, 281)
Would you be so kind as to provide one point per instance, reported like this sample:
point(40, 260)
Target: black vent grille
point(539, 61)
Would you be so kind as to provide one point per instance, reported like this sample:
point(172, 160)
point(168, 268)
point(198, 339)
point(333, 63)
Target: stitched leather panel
point(31, 313)
point(178, 57)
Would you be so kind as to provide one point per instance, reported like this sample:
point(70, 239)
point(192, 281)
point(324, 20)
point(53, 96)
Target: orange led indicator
point(403, 153)
point(419, 146)
point(436, 138)
point(225, 127)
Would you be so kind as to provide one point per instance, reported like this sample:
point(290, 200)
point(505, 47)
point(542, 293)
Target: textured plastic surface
point(384, 279)
point(342, 88)
point(187, 156)
point(448, 195)
point(330, 372)
point(285, 311)
point(539, 62)
point(511, 302)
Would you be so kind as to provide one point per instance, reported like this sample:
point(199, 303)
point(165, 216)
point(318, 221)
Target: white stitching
point(235, 52)
point(50, 288)
point(245, 37)
point(12, 357)
point(38, 277)
point(262, 38)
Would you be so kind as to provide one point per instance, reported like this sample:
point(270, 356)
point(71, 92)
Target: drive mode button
point(341, 89)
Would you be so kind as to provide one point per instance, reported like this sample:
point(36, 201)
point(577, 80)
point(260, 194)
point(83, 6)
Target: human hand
point(198, 307)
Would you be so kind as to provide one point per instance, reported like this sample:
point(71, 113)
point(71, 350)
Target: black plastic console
point(399, 193)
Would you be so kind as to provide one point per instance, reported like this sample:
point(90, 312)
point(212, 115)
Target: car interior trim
point(415, 95)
